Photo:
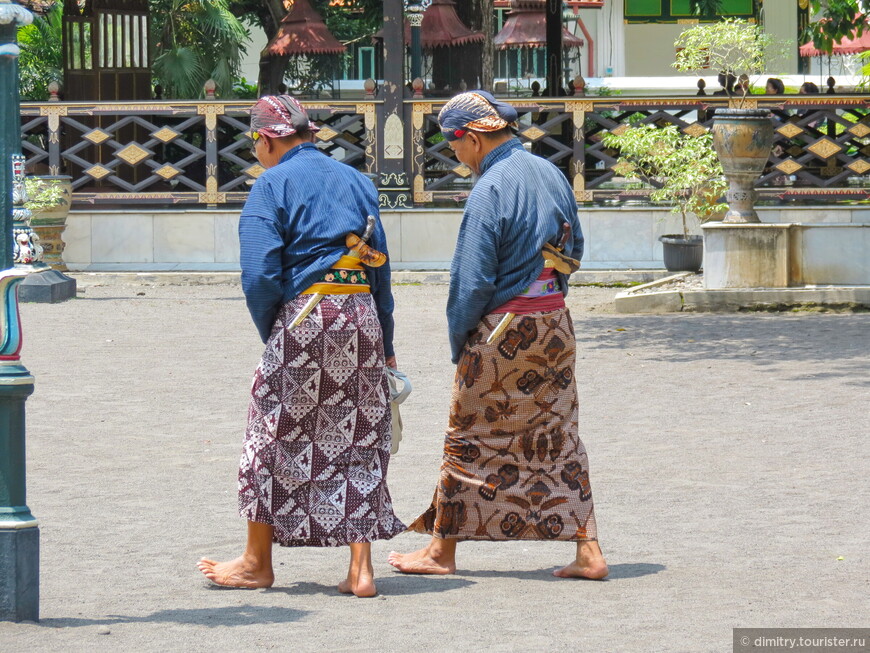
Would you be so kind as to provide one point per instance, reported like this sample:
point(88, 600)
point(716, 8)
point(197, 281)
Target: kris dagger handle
point(316, 297)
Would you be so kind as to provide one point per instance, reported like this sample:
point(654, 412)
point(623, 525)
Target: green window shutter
point(671, 11)
point(643, 8)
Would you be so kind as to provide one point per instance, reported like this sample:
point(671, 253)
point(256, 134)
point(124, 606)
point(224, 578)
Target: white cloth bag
point(397, 396)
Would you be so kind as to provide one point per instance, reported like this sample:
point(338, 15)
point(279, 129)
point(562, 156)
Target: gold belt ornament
point(358, 253)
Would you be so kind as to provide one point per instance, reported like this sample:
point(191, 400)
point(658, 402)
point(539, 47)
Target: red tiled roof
point(303, 31)
point(441, 28)
point(526, 27)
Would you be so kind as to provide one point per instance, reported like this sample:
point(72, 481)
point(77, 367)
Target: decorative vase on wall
point(49, 223)
point(743, 139)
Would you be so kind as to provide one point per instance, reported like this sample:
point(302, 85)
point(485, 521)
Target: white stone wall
point(422, 239)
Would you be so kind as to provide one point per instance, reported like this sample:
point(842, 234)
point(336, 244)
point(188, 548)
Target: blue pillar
point(19, 532)
point(415, 19)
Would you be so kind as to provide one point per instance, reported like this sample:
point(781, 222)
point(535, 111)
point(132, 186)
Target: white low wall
point(786, 255)
point(420, 239)
point(833, 254)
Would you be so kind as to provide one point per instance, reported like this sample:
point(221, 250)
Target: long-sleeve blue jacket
point(292, 229)
point(519, 203)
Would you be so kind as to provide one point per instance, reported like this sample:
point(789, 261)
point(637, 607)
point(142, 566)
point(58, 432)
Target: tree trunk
point(271, 68)
point(271, 73)
point(487, 26)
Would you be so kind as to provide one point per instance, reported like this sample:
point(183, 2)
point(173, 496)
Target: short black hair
point(777, 84)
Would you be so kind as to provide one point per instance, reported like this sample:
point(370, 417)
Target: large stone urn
point(49, 222)
point(743, 139)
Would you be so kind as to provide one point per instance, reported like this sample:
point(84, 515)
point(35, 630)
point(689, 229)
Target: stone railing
point(168, 153)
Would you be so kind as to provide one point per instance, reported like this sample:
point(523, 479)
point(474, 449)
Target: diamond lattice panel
point(132, 154)
point(254, 171)
point(326, 134)
point(165, 134)
point(97, 136)
point(789, 166)
point(98, 171)
point(790, 130)
point(533, 133)
point(167, 172)
point(825, 148)
point(695, 129)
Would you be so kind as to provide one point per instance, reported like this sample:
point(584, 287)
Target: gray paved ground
point(729, 459)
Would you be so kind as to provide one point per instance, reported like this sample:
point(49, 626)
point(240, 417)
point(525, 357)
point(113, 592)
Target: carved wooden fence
point(822, 149)
point(172, 152)
point(199, 152)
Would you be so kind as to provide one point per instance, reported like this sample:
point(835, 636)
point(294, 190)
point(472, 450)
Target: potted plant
point(742, 136)
point(49, 198)
point(685, 173)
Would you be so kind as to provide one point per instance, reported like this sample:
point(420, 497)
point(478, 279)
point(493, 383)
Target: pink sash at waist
point(542, 296)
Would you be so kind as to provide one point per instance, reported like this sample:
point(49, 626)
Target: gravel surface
point(729, 469)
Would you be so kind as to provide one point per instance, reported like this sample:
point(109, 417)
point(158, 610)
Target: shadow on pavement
point(388, 586)
point(633, 570)
point(617, 572)
point(240, 615)
point(762, 340)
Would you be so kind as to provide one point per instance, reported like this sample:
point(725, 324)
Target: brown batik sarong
point(317, 445)
point(514, 467)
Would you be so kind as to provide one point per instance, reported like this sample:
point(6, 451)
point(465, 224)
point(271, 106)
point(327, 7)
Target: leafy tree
point(684, 169)
point(837, 19)
point(864, 71)
point(732, 46)
point(41, 59)
point(196, 40)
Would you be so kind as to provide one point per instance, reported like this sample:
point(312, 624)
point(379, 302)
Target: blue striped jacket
point(519, 203)
point(292, 230)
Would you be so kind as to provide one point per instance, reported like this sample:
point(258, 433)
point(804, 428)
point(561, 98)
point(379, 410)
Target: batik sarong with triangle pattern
point(317, 445)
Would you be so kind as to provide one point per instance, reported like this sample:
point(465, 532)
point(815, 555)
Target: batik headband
point(476, 111)
point(280, 115)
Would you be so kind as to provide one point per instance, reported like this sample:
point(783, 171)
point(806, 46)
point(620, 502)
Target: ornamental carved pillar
point(394, 189)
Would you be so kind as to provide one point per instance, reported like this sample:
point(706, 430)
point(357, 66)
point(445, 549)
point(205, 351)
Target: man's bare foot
point(589, 563)
point(575, 570)
point(360, 579)
point(423, 561)
point(241, 572)
point(361, 584)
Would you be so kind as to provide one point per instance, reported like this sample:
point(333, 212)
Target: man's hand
point(391, 362)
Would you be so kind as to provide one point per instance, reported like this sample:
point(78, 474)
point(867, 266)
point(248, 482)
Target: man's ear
point(478, 144)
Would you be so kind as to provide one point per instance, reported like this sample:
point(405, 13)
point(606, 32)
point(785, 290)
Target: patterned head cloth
point(476, 111)
point(277, 116)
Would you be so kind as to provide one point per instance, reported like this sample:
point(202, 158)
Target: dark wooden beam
point(554, 48)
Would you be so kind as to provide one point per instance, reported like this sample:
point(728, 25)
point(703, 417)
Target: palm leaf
point(180, 71)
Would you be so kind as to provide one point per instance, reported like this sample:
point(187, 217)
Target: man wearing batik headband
point(514, 467)
point(320, 298)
